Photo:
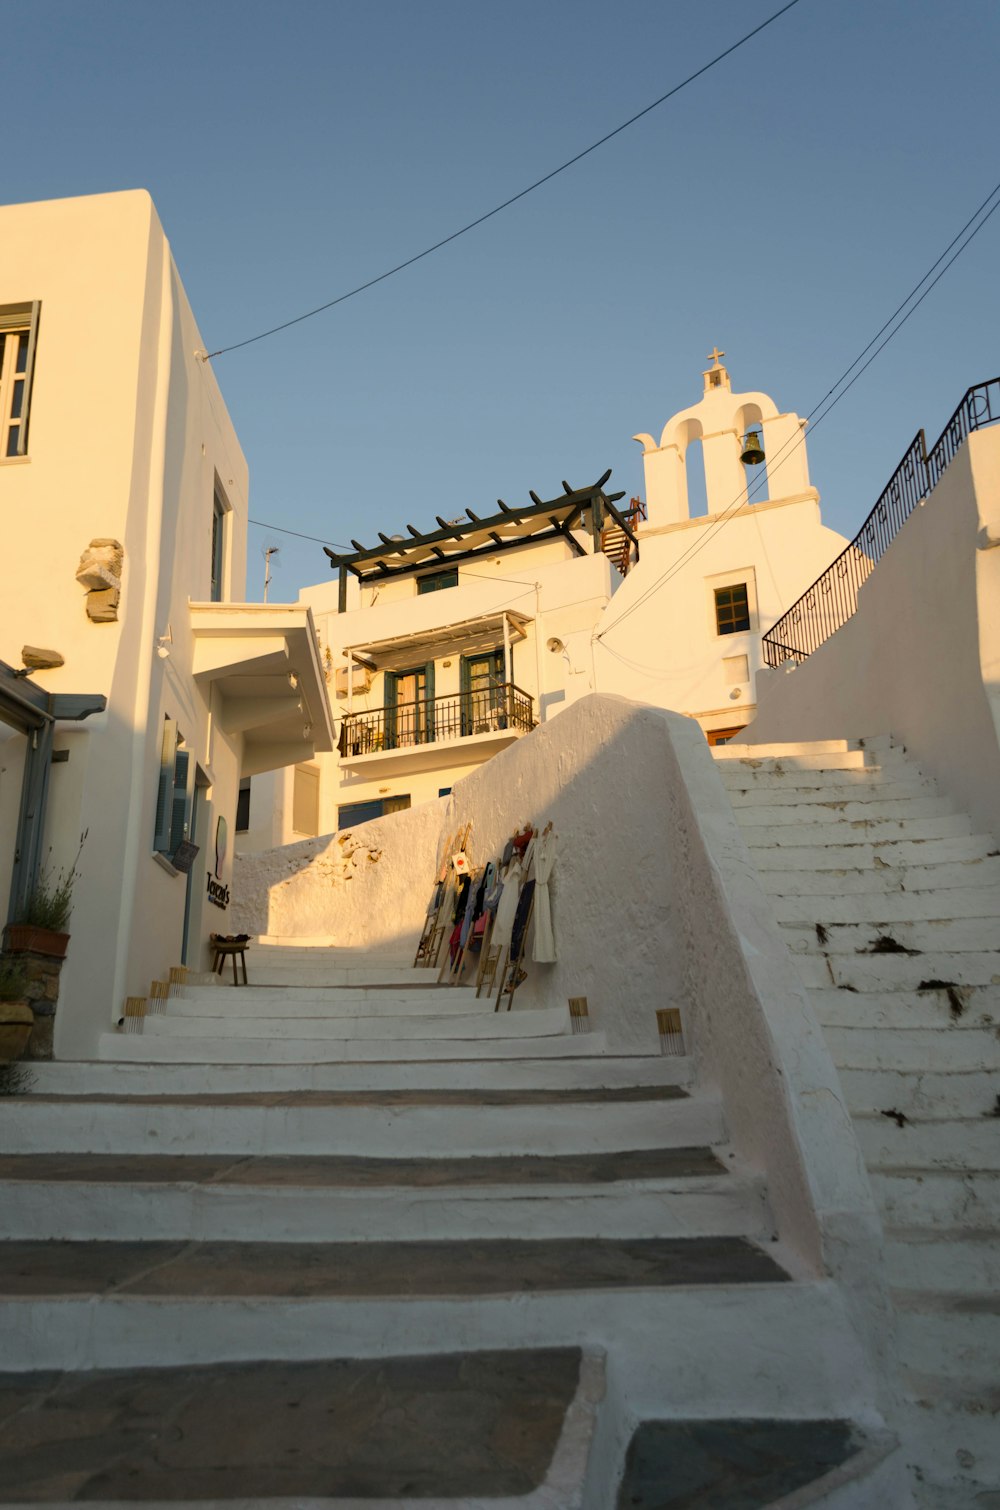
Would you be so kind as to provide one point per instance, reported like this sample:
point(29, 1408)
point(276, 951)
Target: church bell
point(753, 449)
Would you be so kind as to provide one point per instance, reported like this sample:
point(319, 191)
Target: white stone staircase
point(890, 903)
point(425, 1198)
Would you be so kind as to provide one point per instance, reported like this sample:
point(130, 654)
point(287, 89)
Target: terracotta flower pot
point(16, 1023)
point(25, 938)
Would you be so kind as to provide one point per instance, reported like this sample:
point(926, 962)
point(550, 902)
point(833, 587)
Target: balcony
point(462, 729)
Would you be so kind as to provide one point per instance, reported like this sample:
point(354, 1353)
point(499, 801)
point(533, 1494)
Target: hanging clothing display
point(507, 906)
point(521, 919)
point(461, 897)
point(543, 950)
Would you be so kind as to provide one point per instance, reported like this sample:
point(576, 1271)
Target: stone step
point(168, 1303)
point(736, 1464)
point(938, 1200)
point(276, 1004)
point(921, 1050)
point(857, 882)
point(921, 1093)
point(880, 906)
point(337, 1432)
point(776, 791)
point(950, 935)
point(478, 1075)
point(893, 854)
point(661, 1192)
point(876, 831)
point(966, 1007)
point(150, 1048)
point(315, 946)
point(483, 1023)
point(724, 754)
point(897, 972)
point(959, 1144)
point(321, 1124)
point(953, 1337)
point(871, 814)
point(266, 970)
point(600, 1071)
point(955, 1261)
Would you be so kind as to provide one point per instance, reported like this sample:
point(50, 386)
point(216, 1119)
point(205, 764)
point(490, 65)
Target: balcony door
point(409, 707)
point(484, 703)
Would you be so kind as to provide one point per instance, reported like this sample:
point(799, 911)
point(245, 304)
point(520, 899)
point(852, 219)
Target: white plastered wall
point(920, 660)
point(128, 431)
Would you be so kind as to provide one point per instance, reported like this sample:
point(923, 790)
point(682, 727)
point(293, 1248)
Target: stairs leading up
point(471, 1245)
point(890, 904)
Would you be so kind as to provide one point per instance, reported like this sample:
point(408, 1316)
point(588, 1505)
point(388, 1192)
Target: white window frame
point(744, 576)
point(19, 330)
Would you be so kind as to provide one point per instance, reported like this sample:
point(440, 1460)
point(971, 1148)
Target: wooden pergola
point(459, 540)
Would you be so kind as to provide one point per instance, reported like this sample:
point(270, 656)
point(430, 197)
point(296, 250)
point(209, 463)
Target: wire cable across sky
point(820, 411)
point(481, 219)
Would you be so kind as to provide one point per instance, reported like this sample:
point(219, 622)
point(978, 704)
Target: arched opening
point(749, 419)
point(688, 440)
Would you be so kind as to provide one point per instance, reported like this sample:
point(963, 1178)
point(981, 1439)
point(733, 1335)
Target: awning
point(463, 637)
point(263, 661)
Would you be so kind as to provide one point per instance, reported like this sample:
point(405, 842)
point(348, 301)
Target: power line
point(280, 528)
point(790, 445)
point(481, 219)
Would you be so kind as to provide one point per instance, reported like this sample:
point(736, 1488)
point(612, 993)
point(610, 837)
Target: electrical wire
point(775, 463)
point(481, 219)
point(281, 530)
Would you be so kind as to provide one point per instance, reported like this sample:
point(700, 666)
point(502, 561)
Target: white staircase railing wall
point(920, 659)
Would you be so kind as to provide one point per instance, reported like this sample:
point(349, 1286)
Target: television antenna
point(267, 551)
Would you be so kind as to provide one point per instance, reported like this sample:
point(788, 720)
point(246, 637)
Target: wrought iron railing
point(435, 719)
point(833, 598)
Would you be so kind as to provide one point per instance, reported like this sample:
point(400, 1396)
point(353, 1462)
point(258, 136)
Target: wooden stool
point(233, 948)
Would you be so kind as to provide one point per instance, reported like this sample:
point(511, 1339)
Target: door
point(484, 704)
point(409, 707)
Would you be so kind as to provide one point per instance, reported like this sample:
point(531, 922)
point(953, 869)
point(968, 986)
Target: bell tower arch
point(720, 421)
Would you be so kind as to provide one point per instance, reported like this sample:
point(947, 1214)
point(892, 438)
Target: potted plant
point(16, 1016)
point(41, 926)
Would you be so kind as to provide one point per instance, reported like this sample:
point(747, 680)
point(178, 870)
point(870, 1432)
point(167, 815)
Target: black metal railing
point(833, 598)
point(435, 719)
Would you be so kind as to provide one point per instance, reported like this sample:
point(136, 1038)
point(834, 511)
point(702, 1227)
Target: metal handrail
point(833, 597)
point(432, 720)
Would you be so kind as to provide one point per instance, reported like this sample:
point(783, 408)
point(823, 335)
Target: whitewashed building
point(444, 646)
point(124, 493)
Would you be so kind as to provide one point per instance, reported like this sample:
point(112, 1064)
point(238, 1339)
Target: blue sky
point(781, 207)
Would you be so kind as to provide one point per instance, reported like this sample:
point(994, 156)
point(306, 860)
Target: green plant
point(13, 979)
point(51, 899)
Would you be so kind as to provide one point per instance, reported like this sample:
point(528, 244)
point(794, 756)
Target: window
point(18, 336)
point(305, 800)
point(437, 580)
point(484, 704)
point(174, 792)
point(219, 512)
point(243, 806)
point(732, 609)
point(361, 812)
point(723, 736)
point(409, 707)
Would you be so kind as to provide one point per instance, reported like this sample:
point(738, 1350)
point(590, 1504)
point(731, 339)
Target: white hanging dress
point(544, 948)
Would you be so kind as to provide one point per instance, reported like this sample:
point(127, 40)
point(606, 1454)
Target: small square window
point(438, 580)
point(732, 609)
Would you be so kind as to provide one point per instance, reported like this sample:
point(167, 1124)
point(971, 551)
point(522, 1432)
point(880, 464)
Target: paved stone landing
point(728, 1465)
point(305, 1271)
point(338, 1171)
point(456, 1427)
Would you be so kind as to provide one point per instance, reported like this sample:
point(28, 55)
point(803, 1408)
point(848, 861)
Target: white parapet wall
point(920, 659)
point(656, 903)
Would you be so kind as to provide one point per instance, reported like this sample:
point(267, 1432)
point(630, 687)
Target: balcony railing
point(833, 599)
point(433, 720)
